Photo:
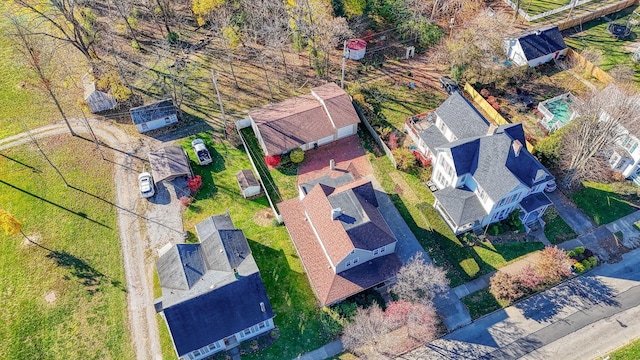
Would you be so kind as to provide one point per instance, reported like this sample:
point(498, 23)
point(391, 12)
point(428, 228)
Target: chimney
point(332, 164)
point(517, 146)
point(492, 129)
point(335, 213)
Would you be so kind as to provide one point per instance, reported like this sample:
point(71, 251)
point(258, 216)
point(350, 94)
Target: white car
point(202, 154)
point(551, 186)
point(145, 183)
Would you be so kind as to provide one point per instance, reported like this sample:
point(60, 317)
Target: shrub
point(484, 93)
point(586, 264)
point(505, 286)
point(359, 99)
point(296, 156)
point(272, 160)
point(135, 45)
point(553, 265)
point(194, 183)
point(393, 141)
point(577, 251)
point(185, 201)
point(405, 159)
point(592, 260)
point(494, 230)
point(172, 37)
point(529, 277)
point(578, 268)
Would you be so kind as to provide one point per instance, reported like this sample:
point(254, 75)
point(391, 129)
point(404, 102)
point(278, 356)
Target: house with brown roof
point(305, 121)
point(343, 240)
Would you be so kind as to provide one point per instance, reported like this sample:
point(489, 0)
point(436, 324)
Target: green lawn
point(20, 98)
point(79, 261)
point(628, 352)
point(535, 7)
point(601, 203)
point(293, 302)
point(614, 51)
point(556, 229)
point(482, 302)
point(462, 263)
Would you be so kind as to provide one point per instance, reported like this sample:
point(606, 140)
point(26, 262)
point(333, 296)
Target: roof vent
point(538, 32)
point(335, 213)
point(492, 129)
point(517, 146)
point(262, 307)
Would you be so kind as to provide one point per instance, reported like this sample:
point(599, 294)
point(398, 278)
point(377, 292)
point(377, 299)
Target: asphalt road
point(579, 319)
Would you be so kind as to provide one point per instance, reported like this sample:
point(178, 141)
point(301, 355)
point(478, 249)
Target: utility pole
point(224, 118)
point(345, 53)
point(93, 135)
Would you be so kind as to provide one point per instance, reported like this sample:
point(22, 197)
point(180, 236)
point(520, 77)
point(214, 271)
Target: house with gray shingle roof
point(536, 47)
point(213, 297)
point(483, 172)
point(343, 240)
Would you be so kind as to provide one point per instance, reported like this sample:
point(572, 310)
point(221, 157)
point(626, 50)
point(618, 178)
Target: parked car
point(201, 151)
point(449, 85)
point(551, 186)
point(145, 183)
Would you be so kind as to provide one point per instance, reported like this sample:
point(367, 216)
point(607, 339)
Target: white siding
point(157, 124)
point(325, 140)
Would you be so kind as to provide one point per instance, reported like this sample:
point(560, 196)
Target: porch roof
point(534, 202)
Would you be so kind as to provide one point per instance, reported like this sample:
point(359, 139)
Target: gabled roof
point(359, 225)
point(303, 119)
point(154, 111)
point(213, 289)
point(462, 206)
point(461, 117)
point(542, 42)
point(246, 179)
point(168, 163)
point(333, 182)
point(328, 286)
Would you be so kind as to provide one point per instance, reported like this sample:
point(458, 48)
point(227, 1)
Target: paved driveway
point(576, 219)
point(453, 313)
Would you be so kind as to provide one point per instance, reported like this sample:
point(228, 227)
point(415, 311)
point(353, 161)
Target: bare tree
point(365, 329)
point(70, 21)
point(605, 122)
point(39, 54)
point(419, 281)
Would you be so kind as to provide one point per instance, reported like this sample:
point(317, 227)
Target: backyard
point(594, 35)
point(293, 302)
point(63, 294)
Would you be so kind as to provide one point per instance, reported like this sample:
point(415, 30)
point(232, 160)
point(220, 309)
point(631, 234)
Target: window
point(262, 325)
point(375, 252)
point(246, 331)
point(482, 195)
point(348, 263)
point(214, 346)
point(355, 261)
point(382, 249)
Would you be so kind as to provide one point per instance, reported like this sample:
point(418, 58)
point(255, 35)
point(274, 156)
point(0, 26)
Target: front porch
point(532, 208)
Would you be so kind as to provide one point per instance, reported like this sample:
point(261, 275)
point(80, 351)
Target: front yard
point(556, 229)
point(65, 299)
point(293, 302)
point(603, 204)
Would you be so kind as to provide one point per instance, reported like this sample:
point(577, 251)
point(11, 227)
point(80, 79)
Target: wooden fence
point(588, 16)
point(375, 135)
point(589, 68)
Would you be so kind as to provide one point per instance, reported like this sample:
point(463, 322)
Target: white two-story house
point(483, 172)
point(343, 240)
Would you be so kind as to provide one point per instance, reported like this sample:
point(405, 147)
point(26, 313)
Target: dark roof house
point(536, 47)
point(212, 292)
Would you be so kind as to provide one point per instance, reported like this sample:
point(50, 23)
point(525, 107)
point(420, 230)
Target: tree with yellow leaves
point(9, 223)
point(204, 8)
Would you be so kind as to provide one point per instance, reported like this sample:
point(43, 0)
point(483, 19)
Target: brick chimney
point(492, 129)
point(517, 146)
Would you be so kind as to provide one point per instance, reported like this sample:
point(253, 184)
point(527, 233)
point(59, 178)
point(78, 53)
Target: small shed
point(169, 163)
point(154, 116)
point(249, 185)
point(97, 101)
point(357, 48)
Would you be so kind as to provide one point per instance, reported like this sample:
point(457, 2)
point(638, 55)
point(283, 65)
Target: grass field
point(535, 7)
point(79, 259)
point(601, 203)
point(556, 229)
point(482, 302)
point(628, 352)
point(414, 204)
point(20, 98)
point(293, 302)
point(614, 52)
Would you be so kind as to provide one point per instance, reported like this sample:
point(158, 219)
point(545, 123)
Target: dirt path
point(142, 318)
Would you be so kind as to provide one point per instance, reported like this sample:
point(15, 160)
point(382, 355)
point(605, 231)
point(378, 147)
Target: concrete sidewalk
point(331, 349)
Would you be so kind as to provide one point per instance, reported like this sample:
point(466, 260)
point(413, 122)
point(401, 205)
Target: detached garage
point(154, 116)
point(169, 163)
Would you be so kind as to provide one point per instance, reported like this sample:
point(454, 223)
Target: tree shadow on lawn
point(580, 292)
point(602, 206)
